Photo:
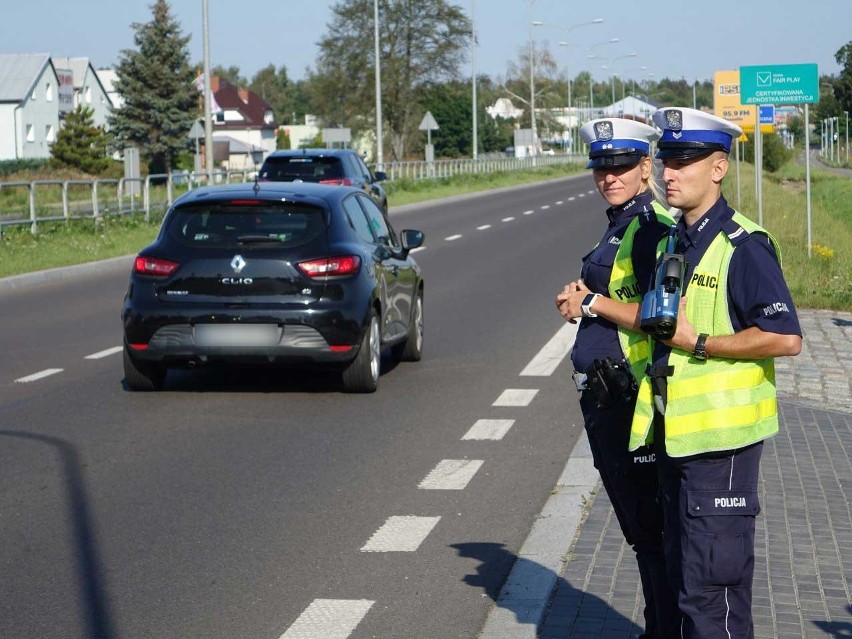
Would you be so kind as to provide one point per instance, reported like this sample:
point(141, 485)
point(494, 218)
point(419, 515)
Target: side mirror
point(412, 239)
point(380, 176)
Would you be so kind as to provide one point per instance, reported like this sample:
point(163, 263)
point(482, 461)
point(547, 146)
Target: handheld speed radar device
point(660, 306)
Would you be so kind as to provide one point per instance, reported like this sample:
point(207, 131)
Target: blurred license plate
point(236, 334)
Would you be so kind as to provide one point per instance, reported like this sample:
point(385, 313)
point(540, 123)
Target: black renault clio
point(293, 274)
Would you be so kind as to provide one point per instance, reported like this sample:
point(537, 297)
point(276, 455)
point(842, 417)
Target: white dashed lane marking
point(545, 207)
point(40, 375)
point(452, 238)
point(451, 474)
point(559, 203)
point(549, 357)
point(528, 212)
point(571, 199)
point(516, 397)
point(483, 227)
point(401, 534)
point(507, 219)
point(418, 249)
point(329, 619)
point(493, 429)
point(106, 353)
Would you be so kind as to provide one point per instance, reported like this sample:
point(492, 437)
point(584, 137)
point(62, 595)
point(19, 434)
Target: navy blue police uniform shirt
point(757, 293)
point(597, 338)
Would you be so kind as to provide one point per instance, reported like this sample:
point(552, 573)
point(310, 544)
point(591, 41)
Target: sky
point(674, 39)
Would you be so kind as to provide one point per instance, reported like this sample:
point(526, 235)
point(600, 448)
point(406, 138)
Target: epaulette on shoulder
point(652, 216)
point(736, 233)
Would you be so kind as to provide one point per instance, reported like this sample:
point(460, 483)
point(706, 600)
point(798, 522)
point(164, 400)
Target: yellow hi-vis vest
point(624, 288)
point(716, 404)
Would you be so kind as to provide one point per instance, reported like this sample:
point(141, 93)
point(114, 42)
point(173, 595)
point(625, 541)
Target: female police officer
point(608, 357)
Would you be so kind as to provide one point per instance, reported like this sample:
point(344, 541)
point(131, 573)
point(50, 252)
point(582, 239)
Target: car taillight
point(154, 266)
point(328, 266)
point(338, 182)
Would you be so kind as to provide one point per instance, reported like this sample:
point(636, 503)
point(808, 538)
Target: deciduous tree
point(421, 41)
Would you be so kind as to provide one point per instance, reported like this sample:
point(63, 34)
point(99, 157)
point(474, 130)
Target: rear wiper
point(247, 239)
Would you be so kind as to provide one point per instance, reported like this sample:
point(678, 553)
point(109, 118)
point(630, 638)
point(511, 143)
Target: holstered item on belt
point(659, 384)
point(611, 383)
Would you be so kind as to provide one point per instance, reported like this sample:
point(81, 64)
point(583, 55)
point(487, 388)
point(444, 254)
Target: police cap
point(689, 133)
point(617, 141)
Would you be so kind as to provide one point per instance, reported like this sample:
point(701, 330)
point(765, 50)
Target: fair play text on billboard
point(779, 84)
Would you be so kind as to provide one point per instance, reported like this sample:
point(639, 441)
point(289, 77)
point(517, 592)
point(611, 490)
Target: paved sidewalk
point(803, 572)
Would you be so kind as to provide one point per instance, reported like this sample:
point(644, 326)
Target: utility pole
point(379, 151)
point(473, 74)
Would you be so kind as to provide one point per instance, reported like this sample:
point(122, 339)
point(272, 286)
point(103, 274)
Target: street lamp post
point(567, 29)
point(609, 66)
point(208, 92)
point(530, 4)
point(591, 79)
point(379, 151)
point(473, 74)
point(846, 113)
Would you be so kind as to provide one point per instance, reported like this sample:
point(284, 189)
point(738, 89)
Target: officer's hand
point(570, 300)
point(685, 335)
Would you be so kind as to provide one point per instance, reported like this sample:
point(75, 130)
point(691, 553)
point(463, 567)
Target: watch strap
point(700, 352)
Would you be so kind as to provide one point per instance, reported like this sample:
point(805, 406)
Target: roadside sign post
point(429, 124)
point(782, 84)
point(196, 132)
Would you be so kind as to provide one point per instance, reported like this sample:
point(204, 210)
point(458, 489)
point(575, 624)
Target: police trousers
point(710, 504)
point(630, 481)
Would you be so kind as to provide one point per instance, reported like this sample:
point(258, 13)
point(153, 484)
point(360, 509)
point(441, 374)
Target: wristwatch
point(586, 306)
point(699, 351)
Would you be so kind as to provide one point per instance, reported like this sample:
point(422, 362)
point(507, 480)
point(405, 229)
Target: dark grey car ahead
point(281, 273)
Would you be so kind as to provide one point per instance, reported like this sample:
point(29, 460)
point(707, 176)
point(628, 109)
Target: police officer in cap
point(709, 399)
point(610, 353)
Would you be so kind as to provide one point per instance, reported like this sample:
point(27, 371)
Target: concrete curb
point(523, 599)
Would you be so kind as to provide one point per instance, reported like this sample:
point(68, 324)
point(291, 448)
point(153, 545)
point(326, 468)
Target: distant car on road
point(282, 273)
point(339, 167)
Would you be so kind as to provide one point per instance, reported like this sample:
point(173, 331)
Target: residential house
point(29, 105)
point(89, 91)
point(244, 125)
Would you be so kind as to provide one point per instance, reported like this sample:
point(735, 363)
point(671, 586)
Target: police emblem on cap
point(674, 120)
point(603, 130)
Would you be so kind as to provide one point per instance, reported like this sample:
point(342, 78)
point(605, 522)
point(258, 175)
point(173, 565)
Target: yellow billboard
point(726, 102)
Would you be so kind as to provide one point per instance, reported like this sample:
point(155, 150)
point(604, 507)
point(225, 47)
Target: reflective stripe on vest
point(623, 287)
point(718, 404)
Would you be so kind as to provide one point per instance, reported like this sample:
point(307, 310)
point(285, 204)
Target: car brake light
point(328, 266)
point(154, 266)
point(245, 202)
point(343, 348)
point(138, 347)
point(338, 182)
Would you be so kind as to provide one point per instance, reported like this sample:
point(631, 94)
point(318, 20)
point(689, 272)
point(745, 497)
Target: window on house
point(30, 133)
point(48, 133)
point(48, 92)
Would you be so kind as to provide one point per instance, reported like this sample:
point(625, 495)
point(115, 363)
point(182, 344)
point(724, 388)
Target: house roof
point(19, 73)
point(77, 66)
point(248, 103)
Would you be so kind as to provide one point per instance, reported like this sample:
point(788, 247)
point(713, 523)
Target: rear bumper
point(323, 336)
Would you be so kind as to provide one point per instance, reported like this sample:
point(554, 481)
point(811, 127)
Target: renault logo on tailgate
point(238, 263)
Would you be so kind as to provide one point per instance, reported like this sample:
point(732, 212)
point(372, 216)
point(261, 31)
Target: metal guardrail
point(52, 200)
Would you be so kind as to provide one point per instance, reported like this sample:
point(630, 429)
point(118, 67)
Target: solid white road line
point(516, 397)
point(451, 474)
point(483, 227)
point(106, 353)
point(452, 238)
point(493, 429)
point(401, 534)
point(40, 375)
point(329, 619)
point(549, 357)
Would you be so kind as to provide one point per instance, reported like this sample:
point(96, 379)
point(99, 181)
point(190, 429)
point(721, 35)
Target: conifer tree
point(80, 144)
point(160, 98)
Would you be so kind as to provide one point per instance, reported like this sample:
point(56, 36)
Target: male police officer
point(710, 389)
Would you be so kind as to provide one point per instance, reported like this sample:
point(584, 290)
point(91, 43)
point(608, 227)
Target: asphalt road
point(253, 504)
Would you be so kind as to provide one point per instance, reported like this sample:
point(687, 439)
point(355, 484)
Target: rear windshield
point(239, 225)
point(306, 168)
